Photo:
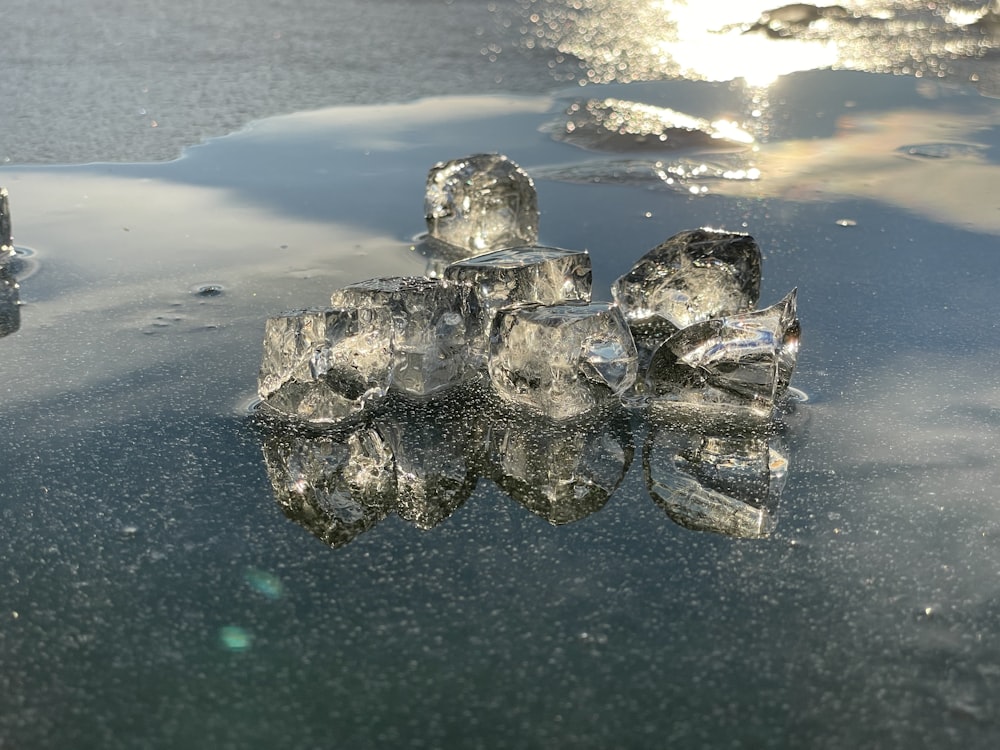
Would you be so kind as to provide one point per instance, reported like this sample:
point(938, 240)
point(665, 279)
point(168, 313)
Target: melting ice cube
point(561, 360)
point(321, 365)
point(741, 359)
point(427, 330)
point(693, 276)
point(501, 278)
point(10, 303)
point(482, 202)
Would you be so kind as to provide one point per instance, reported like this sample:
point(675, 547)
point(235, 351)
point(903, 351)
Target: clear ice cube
point(744, 360)
point(725, 484)
point(482, 202)
point(322, 365)
point(547, 275)
point(336, 486)
point(560, 471)
point(561, 360)
point(428, 325)
point(693, 276)
point(6, 241)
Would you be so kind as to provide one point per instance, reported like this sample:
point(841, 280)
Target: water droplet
point(208, 290)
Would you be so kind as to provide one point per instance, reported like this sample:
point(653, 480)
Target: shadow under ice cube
point(481, 202)
point(693, 276)
point(561, 360)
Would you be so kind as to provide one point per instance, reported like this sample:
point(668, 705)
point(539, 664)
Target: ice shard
point(547, 275)
point(561, 360)
point(744, 360)
point(481, 202)
point(427, 327)
point(335, 485)
point(722, 483)
point(692, 277)
point(322, 365)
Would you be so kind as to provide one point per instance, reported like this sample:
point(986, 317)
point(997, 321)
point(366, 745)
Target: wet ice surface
point(557, 601)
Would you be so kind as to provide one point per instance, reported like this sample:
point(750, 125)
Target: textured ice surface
point(561, 360)
point(726, 484)
point(426, 332)
point(693, 276)
point(547, 275)
point(6, 241)
point(337, 486)
point(745, 359)
point(321, 365)
point(561, 471)
point(481, 202)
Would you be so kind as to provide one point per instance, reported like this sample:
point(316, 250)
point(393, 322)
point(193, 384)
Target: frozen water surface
point(525, 588)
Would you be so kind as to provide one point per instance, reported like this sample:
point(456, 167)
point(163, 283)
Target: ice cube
point(561, 471)
point(335, 485)
point(322, 365)
point(482, 202)
point(561, 360)
point(722, 483)
point(500, 278)
point(693, 276)
point(6, 241)
point(427, 327)
point(741, 360)
point(10, 303)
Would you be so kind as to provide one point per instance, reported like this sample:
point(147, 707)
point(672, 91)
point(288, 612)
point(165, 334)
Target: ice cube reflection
point(715, 481)
point(561, 471)
point(10, 303)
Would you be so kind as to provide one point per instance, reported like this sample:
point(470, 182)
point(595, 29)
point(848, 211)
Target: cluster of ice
point(523, 313)
point(682, 337)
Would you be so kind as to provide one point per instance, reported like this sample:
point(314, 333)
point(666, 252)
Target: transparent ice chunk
point(728, 484)
point(6, 240)
point(693, 276)
point(500, 278)
point(481, 202)
point(561, 360)
point(561, 471)
point(745, 359)
point(335, 485)
point(427, 328)
point(321, 365)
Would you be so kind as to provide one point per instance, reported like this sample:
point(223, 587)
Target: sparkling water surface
point(155, 594)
